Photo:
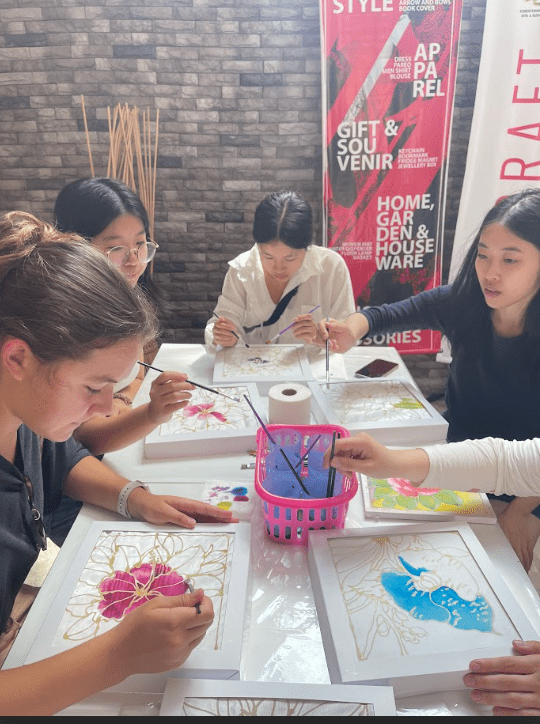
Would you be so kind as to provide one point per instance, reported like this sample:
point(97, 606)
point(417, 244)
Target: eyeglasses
point(119, 255)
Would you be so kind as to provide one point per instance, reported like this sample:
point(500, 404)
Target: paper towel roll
point(289, 404)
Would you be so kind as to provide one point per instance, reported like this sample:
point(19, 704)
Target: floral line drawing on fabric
point(277, 361)
point(126, 591)
point(194, 706)
point(398, 493)
point(127, 568)
point(203, 411)
point(387, 400)
point(207, 411)
point(388, 582)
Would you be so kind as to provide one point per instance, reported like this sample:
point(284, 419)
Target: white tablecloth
point(283, 642)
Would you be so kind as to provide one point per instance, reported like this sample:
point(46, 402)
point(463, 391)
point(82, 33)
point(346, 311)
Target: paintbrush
point(327, 355)
point(259, 419)
point(192, 590)
point(195, 384)
point(329, 485)
point(233, 333)
point(276, 337)
point(306, 491)
point(304, 456)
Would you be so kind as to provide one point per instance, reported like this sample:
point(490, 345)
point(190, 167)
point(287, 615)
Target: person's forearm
point(48, 686)
point(93, 482)
point(358, 325)
point(490, 465)
point(413, 465)
point(106, 434)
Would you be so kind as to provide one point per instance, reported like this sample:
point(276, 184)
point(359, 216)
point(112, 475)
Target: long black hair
point(87, 206)
point(61, 296)
point(520, 214)
point(284, 216)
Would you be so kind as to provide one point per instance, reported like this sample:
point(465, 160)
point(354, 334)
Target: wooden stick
point(154, 179)
point(87, 138)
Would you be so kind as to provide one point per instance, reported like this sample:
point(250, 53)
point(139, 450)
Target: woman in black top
point(491, 316)
point(70, 327)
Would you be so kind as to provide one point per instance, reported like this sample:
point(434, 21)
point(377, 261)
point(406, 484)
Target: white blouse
point(490, 465)
point(323, 278)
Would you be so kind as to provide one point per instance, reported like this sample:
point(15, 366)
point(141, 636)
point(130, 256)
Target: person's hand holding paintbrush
point(225, 332)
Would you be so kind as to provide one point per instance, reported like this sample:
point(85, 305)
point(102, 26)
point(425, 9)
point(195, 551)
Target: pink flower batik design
point(403, 487)
point(203, 411)
point(127, 590)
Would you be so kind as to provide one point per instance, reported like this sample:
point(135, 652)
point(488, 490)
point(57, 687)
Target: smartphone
point(376, 368)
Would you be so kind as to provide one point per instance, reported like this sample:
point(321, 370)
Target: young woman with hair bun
point(71, 327)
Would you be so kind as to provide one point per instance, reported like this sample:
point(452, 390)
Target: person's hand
point(510, 684)
point(363, 454)
point(169, 392)
point(223, 332)
point(160, 634)
point(305, 328)
point(170, 509)
point(522, 528)
point(340, 334)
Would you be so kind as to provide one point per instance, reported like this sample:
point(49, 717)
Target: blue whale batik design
point(442, 604)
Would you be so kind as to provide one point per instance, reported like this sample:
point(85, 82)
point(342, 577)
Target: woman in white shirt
point(280, 281)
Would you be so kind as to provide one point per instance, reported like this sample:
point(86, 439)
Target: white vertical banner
point(504, 144)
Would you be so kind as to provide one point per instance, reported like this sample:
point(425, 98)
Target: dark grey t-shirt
point(47, 470)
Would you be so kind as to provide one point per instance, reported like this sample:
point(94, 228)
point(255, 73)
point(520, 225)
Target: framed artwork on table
point(265, 362)
point(396, 498)
point(256, 698)
point(392, 410)
point(120, 565)
point(410, 606)
point(209, 424)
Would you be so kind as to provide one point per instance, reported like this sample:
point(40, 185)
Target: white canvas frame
point(371, 511)
point(381, 698)
point(209, 442)
point(204, 663)
point(410, 674)
point(302, 369)
point(389, 432)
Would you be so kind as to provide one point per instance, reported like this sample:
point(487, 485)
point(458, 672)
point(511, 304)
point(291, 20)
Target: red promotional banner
point(388, 88)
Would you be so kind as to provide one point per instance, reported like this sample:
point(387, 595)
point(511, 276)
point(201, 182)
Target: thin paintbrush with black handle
point(195, 384)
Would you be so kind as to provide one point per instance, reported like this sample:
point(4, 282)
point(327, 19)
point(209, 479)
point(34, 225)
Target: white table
point(284, 642)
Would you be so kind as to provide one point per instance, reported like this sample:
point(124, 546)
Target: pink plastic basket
point(288, 511)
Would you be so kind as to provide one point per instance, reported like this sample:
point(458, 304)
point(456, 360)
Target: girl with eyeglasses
point(113, 219)
point(71, 327)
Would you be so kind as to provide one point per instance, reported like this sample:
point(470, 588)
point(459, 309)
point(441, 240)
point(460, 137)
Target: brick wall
point(239, 92)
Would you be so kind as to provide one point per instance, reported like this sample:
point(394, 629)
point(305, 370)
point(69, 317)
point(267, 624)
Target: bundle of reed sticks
point(132, 152)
